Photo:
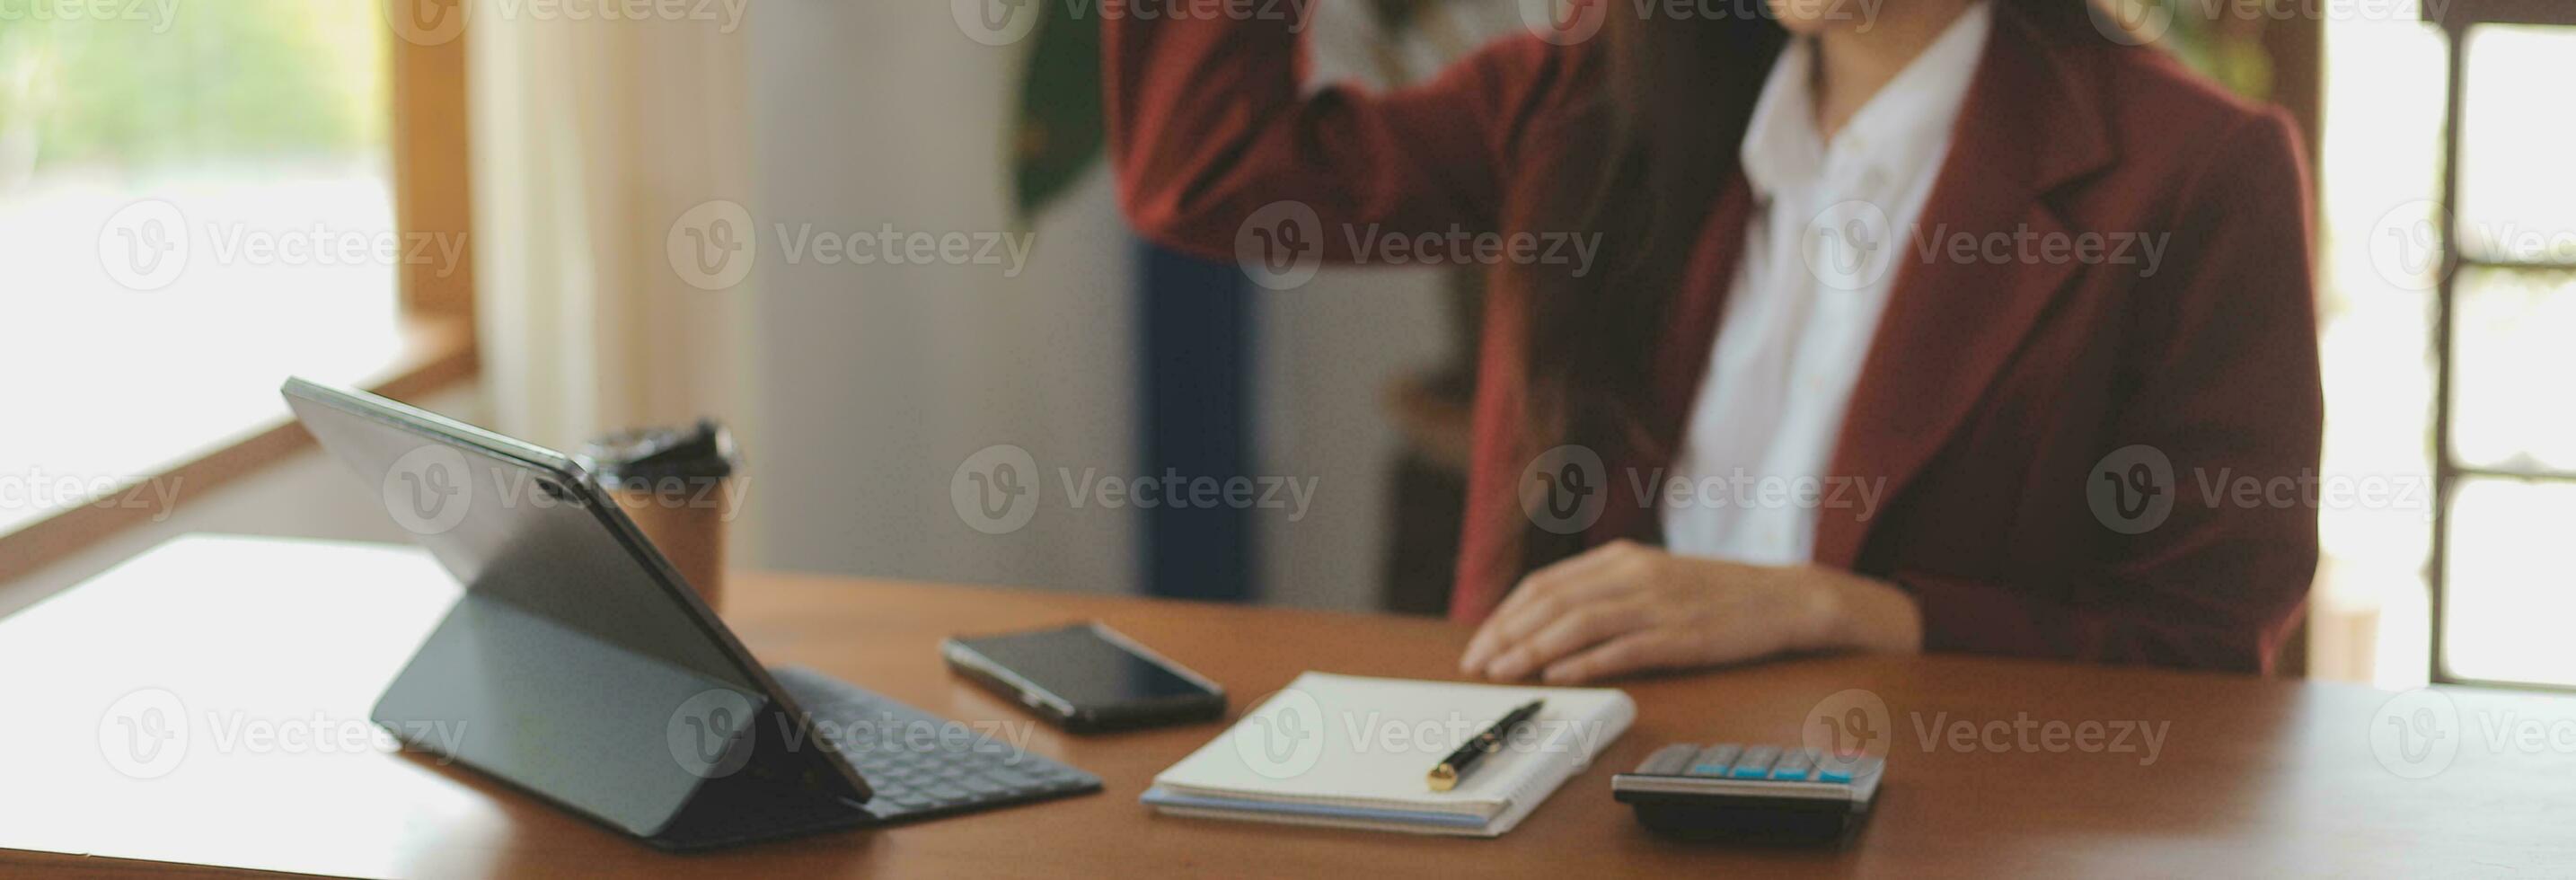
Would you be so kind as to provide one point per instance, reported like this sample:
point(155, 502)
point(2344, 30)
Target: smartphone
point(1086, 678)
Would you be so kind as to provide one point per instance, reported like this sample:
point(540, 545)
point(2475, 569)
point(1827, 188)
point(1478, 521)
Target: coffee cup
point(675, 484)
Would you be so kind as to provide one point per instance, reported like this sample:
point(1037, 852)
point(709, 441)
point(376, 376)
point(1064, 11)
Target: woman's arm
point(1207, 124)
point(2228, 386)
point(2225, 366)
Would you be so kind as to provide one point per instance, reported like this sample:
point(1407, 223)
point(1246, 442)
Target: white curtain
point(864, 387)
point(590, 139)
point(857, 390)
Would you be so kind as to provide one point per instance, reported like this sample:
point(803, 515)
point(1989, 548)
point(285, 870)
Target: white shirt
point(1828, 223)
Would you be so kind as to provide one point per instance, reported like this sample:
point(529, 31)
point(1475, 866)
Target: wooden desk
point(2252, 778)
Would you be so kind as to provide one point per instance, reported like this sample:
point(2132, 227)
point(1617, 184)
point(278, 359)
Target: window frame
point(2457, 18)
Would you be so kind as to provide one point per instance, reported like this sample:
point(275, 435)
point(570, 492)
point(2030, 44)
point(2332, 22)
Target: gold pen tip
point(1443, 778)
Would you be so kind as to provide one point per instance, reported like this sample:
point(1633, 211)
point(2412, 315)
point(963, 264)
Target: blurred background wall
point(876, 382)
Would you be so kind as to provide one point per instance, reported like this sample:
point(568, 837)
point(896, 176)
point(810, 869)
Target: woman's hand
point(1625, 607)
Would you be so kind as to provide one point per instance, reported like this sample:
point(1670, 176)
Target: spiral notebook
point(1353, 752)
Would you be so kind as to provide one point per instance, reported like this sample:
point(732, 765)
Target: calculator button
point(1670, 760)
point(1846, 769)
point(1794, 766)
point(1756, 762)
point(1715, 760)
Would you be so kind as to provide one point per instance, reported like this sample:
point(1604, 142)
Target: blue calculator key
point(1794, 766)
point(1756, 762)
point(1715, 760)
point(1836, 769)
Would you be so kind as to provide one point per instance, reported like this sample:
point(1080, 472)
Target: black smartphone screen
point(1084, 667)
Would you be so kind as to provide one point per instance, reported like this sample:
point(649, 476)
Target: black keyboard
point(921, 765)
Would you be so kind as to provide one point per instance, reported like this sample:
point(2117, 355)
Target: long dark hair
point(1642, 162)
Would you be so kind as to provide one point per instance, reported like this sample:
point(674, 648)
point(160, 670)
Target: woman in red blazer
point(2076, 414)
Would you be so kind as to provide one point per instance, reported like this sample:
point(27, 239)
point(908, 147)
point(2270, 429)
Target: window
point(196, 201)
point(2447, 358)
point(2504, 437)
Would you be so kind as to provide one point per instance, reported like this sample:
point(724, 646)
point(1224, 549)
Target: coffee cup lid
point(703, 450)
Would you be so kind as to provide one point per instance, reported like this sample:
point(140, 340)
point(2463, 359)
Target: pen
point(1455, 767)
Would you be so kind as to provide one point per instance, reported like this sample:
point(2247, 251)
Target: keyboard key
point(913, 777)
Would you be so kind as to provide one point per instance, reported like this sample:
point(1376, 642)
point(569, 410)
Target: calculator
point(1733, 791)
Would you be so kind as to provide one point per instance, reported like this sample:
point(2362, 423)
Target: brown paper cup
point(684, 518)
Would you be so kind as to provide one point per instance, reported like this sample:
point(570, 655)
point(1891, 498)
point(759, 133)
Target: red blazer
point(1996, 391)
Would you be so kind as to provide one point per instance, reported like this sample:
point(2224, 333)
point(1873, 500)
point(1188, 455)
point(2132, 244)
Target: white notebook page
point(1370, 742)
